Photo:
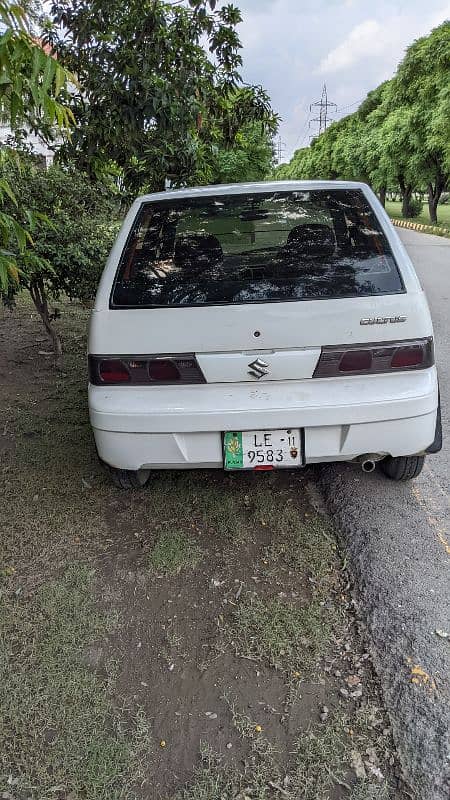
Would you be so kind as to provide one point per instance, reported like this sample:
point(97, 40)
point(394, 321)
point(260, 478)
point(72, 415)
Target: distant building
point(37, 145)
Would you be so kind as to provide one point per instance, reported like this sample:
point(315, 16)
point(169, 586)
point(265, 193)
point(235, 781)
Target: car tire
point(402, 468)
point(128, 478)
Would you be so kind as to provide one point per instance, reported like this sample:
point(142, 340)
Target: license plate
point(253, 449)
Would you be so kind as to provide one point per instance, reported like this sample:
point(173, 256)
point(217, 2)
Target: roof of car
point(249, 188)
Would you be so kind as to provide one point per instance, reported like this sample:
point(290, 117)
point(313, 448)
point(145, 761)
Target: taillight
point(367, 359)
point(355, 361)
point(144, 370)
point(163, 370)
point(406, 357)
point(113, 370)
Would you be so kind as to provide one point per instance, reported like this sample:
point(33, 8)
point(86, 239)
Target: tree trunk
point(434, 195)
point(382, 196)
point(406, 199)
point(37, 291)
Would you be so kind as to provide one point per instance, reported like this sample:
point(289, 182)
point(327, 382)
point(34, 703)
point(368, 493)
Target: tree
point(423, 80)
point(72, 237)
point(250, 158)
point(159, 86)
point(30, 84)
point(297, 169)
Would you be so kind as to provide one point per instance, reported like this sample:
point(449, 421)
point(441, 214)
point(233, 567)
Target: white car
point(261, 326)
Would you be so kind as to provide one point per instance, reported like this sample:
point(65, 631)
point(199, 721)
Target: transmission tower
point(324, 105)
point(279, 150)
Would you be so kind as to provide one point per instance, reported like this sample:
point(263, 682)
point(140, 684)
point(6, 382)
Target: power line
point(358, 103)
point(324, 105)
point(303, 110)
point(280, 147)
point(302, 133)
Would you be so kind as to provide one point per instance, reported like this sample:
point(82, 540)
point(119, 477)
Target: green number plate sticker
point(234, 456)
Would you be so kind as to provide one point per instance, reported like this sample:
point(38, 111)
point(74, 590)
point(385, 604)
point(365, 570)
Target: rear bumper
point(168, 427)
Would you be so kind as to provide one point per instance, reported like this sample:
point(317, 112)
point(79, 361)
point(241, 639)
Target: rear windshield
point(255, 248)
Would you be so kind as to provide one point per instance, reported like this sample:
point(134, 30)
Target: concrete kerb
point(419, 226)
point(401, 641)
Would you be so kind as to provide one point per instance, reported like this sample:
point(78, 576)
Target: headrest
point(312, 240)
point(199, 250)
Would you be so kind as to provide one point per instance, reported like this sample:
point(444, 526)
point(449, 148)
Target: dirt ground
point(194, 640)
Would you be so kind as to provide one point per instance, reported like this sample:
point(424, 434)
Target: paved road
point(398, 541)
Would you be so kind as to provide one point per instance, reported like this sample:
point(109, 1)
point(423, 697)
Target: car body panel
point(343, 417)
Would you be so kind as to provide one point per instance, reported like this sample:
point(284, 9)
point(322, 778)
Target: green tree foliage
point(30, 84)
point(399, 138)
point(73, 234)
point(250, 158)
point(423, 86)
point(160, 91)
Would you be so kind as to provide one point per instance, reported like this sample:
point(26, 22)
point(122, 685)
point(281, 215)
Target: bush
point(75, 223)
point(78, 226)
point(77, 249)
point(415, 207)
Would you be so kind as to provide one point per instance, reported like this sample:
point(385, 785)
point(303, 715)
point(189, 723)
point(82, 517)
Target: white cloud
point(291, 47)
point(382, 41)
point(365, 39)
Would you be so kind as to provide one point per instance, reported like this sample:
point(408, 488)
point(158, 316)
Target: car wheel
point(128, 478)
point(402, 468)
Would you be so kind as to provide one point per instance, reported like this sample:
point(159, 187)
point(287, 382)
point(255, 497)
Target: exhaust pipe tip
point(369, 461)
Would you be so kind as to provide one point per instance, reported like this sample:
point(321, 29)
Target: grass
point(214, 780)
point(443, 213)
point(70, 724)
point(173, 552)
point(289, 638)
point(58, 727)
point(307, 545)
point(322, 758)
point(320, 762)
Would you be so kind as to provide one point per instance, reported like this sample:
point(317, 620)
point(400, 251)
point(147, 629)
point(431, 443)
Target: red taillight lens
point(163, 370)
point(144, 370)
point(368, 359)
point(113, 371)
point(355, 361)
point(408, 357)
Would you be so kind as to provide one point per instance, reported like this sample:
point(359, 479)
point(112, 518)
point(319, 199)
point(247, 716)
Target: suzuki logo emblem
point(258, 368)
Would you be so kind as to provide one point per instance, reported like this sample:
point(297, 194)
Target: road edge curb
point(425, 766)
point(419, 226)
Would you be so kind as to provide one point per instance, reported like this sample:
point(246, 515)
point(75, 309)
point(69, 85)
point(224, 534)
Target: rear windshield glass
point(252, 248)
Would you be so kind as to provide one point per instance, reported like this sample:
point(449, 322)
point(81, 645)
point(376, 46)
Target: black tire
point(128, 478)
point(402, 468)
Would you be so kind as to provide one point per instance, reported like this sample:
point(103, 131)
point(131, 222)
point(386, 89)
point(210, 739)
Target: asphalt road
point(397, 537)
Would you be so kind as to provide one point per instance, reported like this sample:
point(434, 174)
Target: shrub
point(77, 221)
point(415, 207)
point(82, 222)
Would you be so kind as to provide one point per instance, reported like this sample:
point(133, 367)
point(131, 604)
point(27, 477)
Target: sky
point(293, 47)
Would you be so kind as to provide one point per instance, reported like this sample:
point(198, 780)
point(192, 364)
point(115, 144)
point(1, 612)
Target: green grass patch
point(319, 760)
point(213, 780)
point(173, 552)
point(57, 725)
point(307, 546)
point(320, 765)
point(394, 209)
point(290, 638)
point(324, 757)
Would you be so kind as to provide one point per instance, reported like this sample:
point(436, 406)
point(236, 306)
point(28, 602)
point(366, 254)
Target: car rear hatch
point(253, 286)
